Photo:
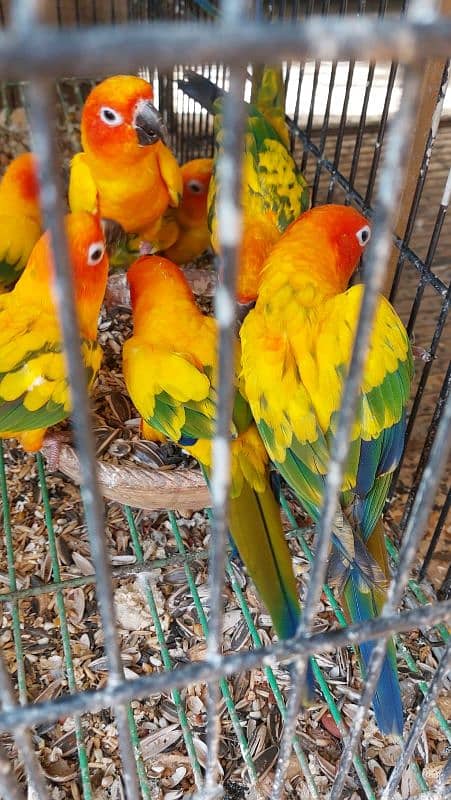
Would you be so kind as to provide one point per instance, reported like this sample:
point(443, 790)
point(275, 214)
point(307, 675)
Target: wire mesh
point(320, 142)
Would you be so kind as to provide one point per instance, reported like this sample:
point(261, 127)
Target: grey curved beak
point(149, 124)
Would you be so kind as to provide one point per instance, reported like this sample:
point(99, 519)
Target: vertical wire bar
point(223, 685)
point(79, 733)
point(229, 227)
point(436, 536)
point(23, 739)
point(377, 259)
point(444, 392)
point(15, 614)
point(167, 661)
point(412, 537)
point(9, 787)
point(42, 117)
point(422, 175)
point(426, 709)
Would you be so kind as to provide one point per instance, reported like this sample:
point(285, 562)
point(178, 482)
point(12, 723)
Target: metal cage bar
point(47, 55)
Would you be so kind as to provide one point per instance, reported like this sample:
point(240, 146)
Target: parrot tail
point(363, 597)
point(256, 528)
point(200, 89)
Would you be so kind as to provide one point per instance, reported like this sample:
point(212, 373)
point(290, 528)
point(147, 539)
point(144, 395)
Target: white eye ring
point(111, 117)
point(195, 186)
point(364, 235)
point(96, 251)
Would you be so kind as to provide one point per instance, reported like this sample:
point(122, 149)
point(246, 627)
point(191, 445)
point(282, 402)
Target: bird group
point(292, 351)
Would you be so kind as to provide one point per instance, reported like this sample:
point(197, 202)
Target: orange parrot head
point(339, 234)
point(196, 175)
point(20, 186)
point(89, 264)
point(119, 120)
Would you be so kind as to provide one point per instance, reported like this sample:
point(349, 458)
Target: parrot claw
point(51, 449)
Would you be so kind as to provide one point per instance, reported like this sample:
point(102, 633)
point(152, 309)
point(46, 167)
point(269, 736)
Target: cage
point(136, 658)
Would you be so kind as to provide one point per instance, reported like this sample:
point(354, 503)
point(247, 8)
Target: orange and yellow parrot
point(274, 191)
point(126, 171)
point(20, 217)
point(296, 349)
point(169, 367)
point(191, 216)
point(34, 390)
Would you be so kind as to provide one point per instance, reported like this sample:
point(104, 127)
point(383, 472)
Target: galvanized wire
point(376, 259)
point(426, 708)
point(413, 533)
point(41, 103)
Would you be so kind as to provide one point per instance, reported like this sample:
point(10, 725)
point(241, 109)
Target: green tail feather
point(256, 528)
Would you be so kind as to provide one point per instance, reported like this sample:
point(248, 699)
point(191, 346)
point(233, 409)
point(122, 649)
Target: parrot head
point(20, 187)
point(196, 175)
point(339, 234)
point(155, 282)
point(89, 265)
point(119, 120)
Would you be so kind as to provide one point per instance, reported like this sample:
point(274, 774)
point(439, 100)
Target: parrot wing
point(82, 193)
point(18, 235)
point(172, 394)
point(34, 391)
point(170, 172)
point(294, 384)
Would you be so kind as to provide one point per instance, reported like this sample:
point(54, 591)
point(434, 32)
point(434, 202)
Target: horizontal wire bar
point(94, 700)
point(51, 52)
point(126, 571)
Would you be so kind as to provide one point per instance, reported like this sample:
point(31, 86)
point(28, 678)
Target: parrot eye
point(364, 235)
point(96, 252)
point(111, 117)
point(195, 186)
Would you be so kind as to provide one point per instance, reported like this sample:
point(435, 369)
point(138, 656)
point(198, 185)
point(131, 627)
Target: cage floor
point(162, 621)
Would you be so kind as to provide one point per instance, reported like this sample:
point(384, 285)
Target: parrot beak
point(148, 124)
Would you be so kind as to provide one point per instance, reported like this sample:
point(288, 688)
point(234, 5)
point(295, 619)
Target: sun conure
point(274, 191)
point(34, 390)
point(296, 349)
point(126, 169)
point(191, 216)
point(20, 217)
point(169, 366)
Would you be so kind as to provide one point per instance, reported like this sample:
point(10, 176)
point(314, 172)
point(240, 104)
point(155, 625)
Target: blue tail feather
point(362, 605)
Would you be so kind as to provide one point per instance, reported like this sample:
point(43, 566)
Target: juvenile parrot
point(34, 390)
point(125, 170)
point(20, 217)
point(191, 216)
point(274, 191)
point(169, 366)
point(296, 349)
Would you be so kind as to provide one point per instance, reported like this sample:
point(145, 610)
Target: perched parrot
point(274, 191)
point(169, 366)
point(296, 349)
point(20, 217)
point(125, 169)
point(34, 390)
point(191, 215)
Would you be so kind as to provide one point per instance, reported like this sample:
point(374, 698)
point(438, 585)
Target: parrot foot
point(51, 448)
point(146, 248)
